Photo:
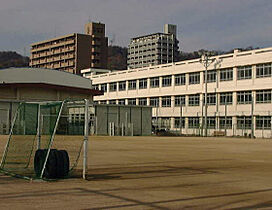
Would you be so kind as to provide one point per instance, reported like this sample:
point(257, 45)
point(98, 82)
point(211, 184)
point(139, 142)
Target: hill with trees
point(12, 59)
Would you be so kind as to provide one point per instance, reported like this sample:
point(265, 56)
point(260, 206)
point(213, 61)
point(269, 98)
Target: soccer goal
point(47, 140)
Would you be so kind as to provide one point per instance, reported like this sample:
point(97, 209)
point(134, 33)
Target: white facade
point(240, 75)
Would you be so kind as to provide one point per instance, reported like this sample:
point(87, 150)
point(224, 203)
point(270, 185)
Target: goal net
point(46, 140)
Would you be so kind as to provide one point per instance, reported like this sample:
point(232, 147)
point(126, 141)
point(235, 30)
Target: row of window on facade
point(242, 97)
point(242, 122)
point(243, 72)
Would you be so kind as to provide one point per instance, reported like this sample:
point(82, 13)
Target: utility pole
point(206, 61)
point(252, 117)
point(226, 115)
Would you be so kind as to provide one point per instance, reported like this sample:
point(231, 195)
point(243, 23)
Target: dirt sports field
point(156, 173)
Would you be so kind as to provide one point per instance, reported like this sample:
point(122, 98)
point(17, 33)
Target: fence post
point(86, 138)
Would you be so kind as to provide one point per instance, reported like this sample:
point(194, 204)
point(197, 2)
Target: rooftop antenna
point(55, 31)
point(89, 20)
point(112, 39)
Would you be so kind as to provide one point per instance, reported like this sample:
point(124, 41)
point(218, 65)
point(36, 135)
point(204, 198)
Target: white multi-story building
point(153, 49)
point(239, 93)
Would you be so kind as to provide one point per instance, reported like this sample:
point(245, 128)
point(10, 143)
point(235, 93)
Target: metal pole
point(180, 118)
point(252, 118)
point(206, 61)
point(39, 128)
point(206, 108)
point(10, 133)
point(86, 138)
point(51, 140)
point(126, 124)
point(226, 115)
point(202, 122)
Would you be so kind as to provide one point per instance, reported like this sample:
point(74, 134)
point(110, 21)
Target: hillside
point(117, 58)
point(12, 59)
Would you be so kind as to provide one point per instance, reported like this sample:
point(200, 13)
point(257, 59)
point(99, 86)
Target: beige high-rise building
point(99, 45)
point(70, 53)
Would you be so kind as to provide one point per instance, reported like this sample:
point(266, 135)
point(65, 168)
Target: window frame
point(166, 101)
point(243, 72)
point(226, 74)
point(194, 78)
point(154, 82)
point(180, 79)
point(167, 81)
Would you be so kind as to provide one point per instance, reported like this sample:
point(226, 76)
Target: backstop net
point(47, 140)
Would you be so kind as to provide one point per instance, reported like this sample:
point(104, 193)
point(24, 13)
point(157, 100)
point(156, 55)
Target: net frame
point(38, 136)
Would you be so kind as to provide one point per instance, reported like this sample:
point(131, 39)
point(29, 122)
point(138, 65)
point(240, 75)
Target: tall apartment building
point(99, 45)
point(69, 53)
point(73, 52)
point(153, 49)
point(239, 93)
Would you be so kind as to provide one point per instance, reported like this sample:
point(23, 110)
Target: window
point(180, 79)
point(154, 82)
point(142, 83)
point(103, 87)
point(113, 86)
point(194, 78)
point(179, 100)
point(211, 98)
point(122, 86)
point(165, 122)
point(211, 76)
point(154, 101)
point(166, 81)
point(131, 101)
point(263, 96)
point(179, 121)
point(226, 75)
point(193, 122)
point(244, 97)
point(194, 100)
point(225, 98)
point(102, 102)
point(244, 72)
point(263, 70)
point(225, 122)
point(263, 122)
point(166, 101)
point(211, 122)
point(244, 122)
point(132, 84)
point(112, 101)
point(121, 101)
point(143, 101)
point(95, 87)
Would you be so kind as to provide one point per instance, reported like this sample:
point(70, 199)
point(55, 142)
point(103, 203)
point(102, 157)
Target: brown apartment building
point(99, 54)
point(73, 52)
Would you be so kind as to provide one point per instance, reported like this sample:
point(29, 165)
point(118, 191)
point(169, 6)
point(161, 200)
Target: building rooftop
point(46, 77)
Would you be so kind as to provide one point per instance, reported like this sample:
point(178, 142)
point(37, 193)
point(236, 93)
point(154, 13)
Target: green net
point(18, 158)
point(53, 125)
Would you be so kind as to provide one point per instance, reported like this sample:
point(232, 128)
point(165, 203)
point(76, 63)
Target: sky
point(201, 24)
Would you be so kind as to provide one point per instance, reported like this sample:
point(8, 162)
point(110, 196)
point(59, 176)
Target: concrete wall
point(123, 116)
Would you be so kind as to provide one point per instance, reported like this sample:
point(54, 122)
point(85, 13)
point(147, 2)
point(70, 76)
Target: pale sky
point(202, 24)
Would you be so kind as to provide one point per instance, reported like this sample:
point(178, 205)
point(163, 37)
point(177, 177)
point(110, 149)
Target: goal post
point(48, 132)
point(86, 139)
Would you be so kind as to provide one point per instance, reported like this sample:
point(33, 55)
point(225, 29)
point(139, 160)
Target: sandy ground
point(156, 173)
